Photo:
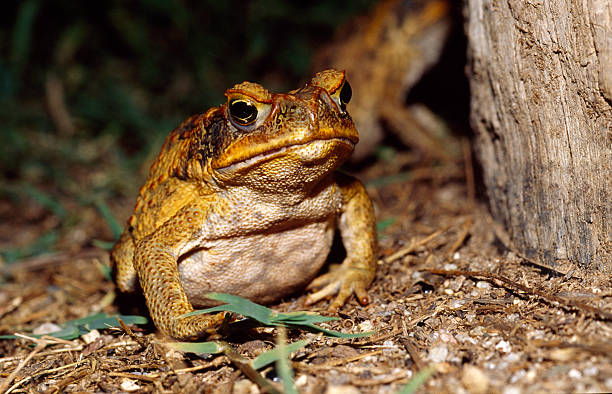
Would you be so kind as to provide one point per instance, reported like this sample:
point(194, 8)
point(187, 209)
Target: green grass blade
point(283, 366)
point(300, 318)
point(265, 316)
point(197, 347)
point(382, 225)
point(417, 380)
point(45, 200)
point(104, 245)
point(22, 35)
point(242, 306)
point(98, 321)
point(273, 355)
point(110, 219)
point(332, 333)
point(68, 333)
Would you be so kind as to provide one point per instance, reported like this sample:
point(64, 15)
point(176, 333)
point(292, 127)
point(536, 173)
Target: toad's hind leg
point(122, 263)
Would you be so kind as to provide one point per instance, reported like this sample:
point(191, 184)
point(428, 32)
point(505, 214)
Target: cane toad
point(244, 199)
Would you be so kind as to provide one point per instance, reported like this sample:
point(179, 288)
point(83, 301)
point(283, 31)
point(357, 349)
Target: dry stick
point(379, 338)
point(376, 381)
point(413, 352)
point(604, 349)
point(43, 354)
point(413, 245)
point(464, 233)
point(45, 372)
point(56, 104)
point(337, 362)
point(49, 259)
point(141, 341)
point(410, 348)
point(70, 379)
point(128, 375)
point(246, 368)
point(564, 303)
point(40, 345)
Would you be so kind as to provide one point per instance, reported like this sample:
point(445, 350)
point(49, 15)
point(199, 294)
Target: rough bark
point(541, 83)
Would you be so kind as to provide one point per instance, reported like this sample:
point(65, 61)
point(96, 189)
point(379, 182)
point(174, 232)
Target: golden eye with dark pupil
point(345, 95)
point(242, 112)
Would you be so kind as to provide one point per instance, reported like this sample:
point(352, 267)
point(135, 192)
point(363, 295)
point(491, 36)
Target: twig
point(141, 341)
point(45, 372)
point(564, 303)
point(411, 349)
point(43, 354)
point(128, 375)
point(376, 381)
point(379, 338)
point(57, 106)
point(464, 233)
point(245, 367)
point(604, 349)
point(40, 345)
point(38, 262)
point(414, 245)
point(336, 362)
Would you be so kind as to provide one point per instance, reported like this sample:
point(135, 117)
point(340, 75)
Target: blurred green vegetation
point(88, 90)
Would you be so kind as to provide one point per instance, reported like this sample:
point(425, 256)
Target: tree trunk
point(541, 83)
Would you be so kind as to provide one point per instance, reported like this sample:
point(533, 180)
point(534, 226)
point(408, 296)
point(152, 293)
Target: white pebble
point(129, 385)
point(46, 328)
point(483, 285)
point(91, 336)
point(574, 373)
point(503, 346)
point(438, 354)
point(511, 390)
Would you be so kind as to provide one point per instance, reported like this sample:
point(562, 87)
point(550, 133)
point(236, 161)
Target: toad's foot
point(191, 327)
point(342, 280)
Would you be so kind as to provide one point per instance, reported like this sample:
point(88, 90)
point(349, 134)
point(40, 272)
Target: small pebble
point(46, 328)
point(574, 373)
point(344, 389)
point(365, 326)
point(591, 371)
point(503, 346)
point(483, 285)
point(511, 390)
point(474, 379)
point(129, 385)
point(438, 354)
point(91, 336)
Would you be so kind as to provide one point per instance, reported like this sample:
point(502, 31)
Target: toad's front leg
point(357, 226)
point(155, 261)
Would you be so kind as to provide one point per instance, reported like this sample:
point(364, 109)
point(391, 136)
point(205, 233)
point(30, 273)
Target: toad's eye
point(242, 112)
point(345, 95)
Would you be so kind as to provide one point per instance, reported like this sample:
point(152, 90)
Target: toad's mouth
point(310, 151)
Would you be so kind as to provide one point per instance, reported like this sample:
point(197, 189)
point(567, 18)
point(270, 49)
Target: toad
point(245, 199)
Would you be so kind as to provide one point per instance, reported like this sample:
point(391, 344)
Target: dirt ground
point(448, 294)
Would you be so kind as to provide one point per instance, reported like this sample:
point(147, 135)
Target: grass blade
point(273, 355)
point(197, 347)
point(417, 380)
point(283, 367)
point(238, 305)
point(110, 219)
